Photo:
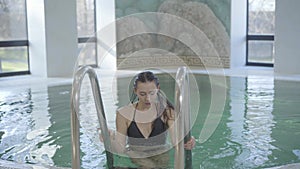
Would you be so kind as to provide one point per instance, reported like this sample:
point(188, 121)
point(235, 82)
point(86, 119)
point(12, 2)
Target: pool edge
point(4, 164)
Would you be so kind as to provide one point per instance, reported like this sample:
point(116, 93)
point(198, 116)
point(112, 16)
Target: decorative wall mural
point(194, 33)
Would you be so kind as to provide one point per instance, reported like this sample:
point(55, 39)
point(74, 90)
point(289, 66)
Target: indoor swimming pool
point(259, 127)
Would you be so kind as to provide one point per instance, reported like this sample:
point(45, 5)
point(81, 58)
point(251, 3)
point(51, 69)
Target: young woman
point(143, 125)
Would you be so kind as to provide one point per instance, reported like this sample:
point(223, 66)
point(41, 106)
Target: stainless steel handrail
point(75, 98)
point(183, 158)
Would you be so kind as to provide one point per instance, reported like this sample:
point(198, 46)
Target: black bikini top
point(156, 137)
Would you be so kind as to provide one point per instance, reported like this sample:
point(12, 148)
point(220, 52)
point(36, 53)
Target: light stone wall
point(208, 46)
point(171, 61)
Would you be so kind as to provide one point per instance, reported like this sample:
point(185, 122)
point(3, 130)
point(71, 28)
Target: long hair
point(162, 100)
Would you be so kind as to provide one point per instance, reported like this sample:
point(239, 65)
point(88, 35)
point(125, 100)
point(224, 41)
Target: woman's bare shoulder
point(126, 111)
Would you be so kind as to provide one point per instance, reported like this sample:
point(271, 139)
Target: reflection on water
point(259, 121)
point(252, 120)
point(26, 123)
point(260, 126)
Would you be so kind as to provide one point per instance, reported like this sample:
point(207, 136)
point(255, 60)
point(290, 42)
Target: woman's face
point(146, 93)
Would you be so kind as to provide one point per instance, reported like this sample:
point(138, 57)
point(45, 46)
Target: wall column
point(287, 36)
point(106, 34)
point(238, 33)
point(52, 35)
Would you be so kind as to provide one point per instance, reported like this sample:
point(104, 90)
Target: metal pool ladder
point(75, 97)
point(182, 157)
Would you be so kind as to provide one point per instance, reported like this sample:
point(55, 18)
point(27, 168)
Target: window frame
point(91, 39)
point(256, 37)
point(18, 43)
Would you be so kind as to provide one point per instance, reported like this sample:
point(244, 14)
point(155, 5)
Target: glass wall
point(261, 28)
point(86, 32)
point(13, 38)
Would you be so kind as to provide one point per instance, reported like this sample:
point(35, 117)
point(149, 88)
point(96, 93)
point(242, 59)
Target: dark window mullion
point(15, 43)
point(259, 64)
point(86, 39)
point(4, 74)
point(261, 37)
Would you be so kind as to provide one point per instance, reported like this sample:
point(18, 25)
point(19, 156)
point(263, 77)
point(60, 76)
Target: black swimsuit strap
point(134, 133)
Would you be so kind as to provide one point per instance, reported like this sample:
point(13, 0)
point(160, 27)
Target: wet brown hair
point(164, 105)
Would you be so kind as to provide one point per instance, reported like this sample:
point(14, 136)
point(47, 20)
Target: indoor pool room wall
point(259, 127)
point(243, 68)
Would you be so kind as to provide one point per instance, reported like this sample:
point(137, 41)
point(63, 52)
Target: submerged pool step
point(13, 165)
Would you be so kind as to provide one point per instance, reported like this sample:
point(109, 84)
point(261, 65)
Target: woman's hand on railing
point(189, 145)
point(112, 134)
point(116, 140)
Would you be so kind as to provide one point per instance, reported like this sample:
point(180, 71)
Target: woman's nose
point(148, 97)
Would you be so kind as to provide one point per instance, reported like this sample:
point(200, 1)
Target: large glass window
point(13, 38)
point(86, 32)
point(261, 28)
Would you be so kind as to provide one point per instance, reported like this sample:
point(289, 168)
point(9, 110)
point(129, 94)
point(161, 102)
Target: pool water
point(259, 127)
point(35, 125)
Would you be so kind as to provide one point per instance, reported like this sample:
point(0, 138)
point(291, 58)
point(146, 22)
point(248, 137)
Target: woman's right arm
point(121, 133)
